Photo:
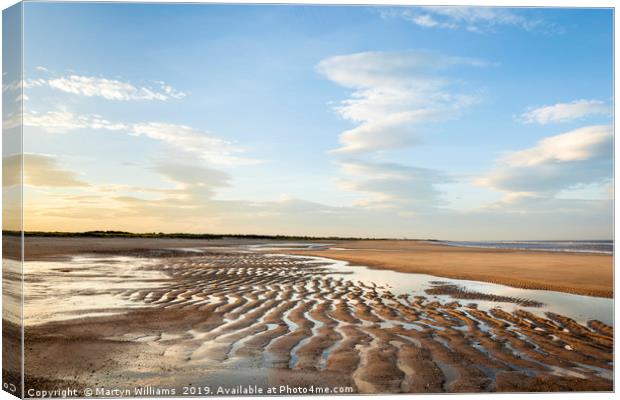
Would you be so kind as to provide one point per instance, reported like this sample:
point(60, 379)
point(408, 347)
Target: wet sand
point(579, 273)
point(53, 248)
point(230, 316)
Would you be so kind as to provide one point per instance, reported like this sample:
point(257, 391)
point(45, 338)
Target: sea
point(573, 246)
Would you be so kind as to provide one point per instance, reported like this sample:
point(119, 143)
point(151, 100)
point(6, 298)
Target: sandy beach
point(588, 274)
point(221, 313)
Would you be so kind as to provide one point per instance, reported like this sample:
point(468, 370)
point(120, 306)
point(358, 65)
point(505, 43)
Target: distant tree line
point(161, 235)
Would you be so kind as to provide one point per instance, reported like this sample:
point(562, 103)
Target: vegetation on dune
point(161, 235)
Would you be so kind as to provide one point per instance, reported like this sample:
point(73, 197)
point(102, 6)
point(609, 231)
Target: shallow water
point(575, 246)
point(88, 286)
point(85, 286)
point(580, 308)
point(12, 291)
point(244, 291)
point(287, 246)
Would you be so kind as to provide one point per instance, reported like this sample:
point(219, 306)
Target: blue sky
point(462, 123)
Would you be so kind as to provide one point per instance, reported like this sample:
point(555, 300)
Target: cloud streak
point(64, 121)
point(191, 206)
point(201, 143)
point(471, 19)
point(565, 112)
point(39, 170)
point(109, 89)
point(392, 185)
point(182, 137)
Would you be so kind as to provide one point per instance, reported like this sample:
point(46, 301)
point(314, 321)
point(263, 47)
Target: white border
point(522, 3)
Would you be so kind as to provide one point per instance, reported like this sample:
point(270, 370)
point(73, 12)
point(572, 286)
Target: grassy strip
point(161, 235)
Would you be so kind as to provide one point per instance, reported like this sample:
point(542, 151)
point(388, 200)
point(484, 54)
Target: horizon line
point(203, 235)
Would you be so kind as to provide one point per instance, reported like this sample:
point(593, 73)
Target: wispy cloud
point(39, 170)
point(189, 206)
point(12, 92)
point(564, 112)
point(109, 89)
point(428, 21)
point(392, 185)
point(201, 143)
point(12, 86)
point(193, 181)
point(471, 19)
point(182, 137)
point(63, 121)
point(393, 93)
point(580, 157)
point(12, 120)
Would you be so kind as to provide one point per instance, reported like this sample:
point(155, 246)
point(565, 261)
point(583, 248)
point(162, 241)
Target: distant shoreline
point(186, 235)
point(181, 235)
point(554, 246)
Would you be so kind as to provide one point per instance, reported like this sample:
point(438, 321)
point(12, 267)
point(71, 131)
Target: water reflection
point(84, 286)
point(580, 308)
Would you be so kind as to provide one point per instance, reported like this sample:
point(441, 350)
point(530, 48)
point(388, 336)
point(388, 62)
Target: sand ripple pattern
point(268, 311)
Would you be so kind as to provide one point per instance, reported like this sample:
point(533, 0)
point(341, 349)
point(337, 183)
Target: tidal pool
point(89, 285)
point(84, 286)
point(578, 307)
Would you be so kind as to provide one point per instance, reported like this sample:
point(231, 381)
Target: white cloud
point(63, 121)
point(284, 197)
point(12, 86)
point(109, 89)
point(185, 138)
point(194, 180)
point(425, 20)
point(485, 16)
point(12, 120)
point(200, 143)
point(577, 145)
point(38, 170)
point(580, 157)
point(428, 21)
point(563, 112)
point(393, 186)
point(393, 94)
point(389, 132)
point(471, 19)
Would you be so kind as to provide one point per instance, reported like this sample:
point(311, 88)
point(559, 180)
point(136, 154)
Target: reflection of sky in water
point(11, 290)
point(84, 286)
point(578, 246)
point(287, 246)
point(580, 308)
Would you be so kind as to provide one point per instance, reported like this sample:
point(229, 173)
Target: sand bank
point(579, 273)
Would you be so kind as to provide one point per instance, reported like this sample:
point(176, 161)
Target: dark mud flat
point(459, 292)
point(226, 315)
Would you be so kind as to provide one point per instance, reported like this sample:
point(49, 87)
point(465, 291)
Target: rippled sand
point(229, 316)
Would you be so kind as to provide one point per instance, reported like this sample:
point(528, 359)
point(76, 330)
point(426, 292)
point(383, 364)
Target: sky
point(465, 123)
